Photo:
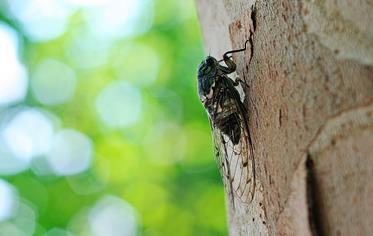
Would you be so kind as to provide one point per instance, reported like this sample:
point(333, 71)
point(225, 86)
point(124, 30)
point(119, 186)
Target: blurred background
point(101, 130)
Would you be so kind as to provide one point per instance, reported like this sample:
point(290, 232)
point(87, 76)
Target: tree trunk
point(310, 102)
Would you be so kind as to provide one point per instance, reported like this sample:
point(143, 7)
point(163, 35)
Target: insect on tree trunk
point(309, 71)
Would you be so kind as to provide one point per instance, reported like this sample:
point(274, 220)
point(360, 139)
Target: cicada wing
point(222, 161)
point(242, 164)
point(240, 155)
point(236, 163)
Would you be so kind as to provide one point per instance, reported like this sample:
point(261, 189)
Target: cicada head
point(207, 72)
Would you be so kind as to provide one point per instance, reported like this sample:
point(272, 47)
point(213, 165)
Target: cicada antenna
point(234, 51)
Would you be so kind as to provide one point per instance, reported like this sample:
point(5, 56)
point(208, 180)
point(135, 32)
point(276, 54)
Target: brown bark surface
point(310, 101)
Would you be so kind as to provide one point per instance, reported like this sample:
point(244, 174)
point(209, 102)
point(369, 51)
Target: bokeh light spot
point(166, 143)
point(22, 221)
point(13, 76)
point(85, 51)
point(25, 217)
point(119, 104)
point(28, 134)
point(53, 82)
point(113, 216)
point(42, 20)
point(86, 3)
point(8, 200)
point(85, 183)
point(7, 228)
point(71, 152)
point(140, 64)
point(116, 19)
point(8, 164)
point(57, 232)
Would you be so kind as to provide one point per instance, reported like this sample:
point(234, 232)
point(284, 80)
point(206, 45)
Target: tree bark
point(310, 102)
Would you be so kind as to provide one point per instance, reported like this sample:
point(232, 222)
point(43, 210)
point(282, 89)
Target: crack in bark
point(313, 207)
point(252, 30)
point(253, 16)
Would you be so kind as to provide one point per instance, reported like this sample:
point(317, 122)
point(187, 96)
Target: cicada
point(229, 121)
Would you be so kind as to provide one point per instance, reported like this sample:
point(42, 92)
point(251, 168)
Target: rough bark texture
point(310, 100)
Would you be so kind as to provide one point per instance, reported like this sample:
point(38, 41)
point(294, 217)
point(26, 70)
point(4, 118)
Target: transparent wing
point(241, 162)
point(222, 161)
point(236, 161)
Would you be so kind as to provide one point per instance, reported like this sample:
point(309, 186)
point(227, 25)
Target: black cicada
point(228, 118)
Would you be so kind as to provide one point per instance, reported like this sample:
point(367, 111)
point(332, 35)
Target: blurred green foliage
point(162, 164)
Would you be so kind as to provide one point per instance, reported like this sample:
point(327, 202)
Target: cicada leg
point(239, 81)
